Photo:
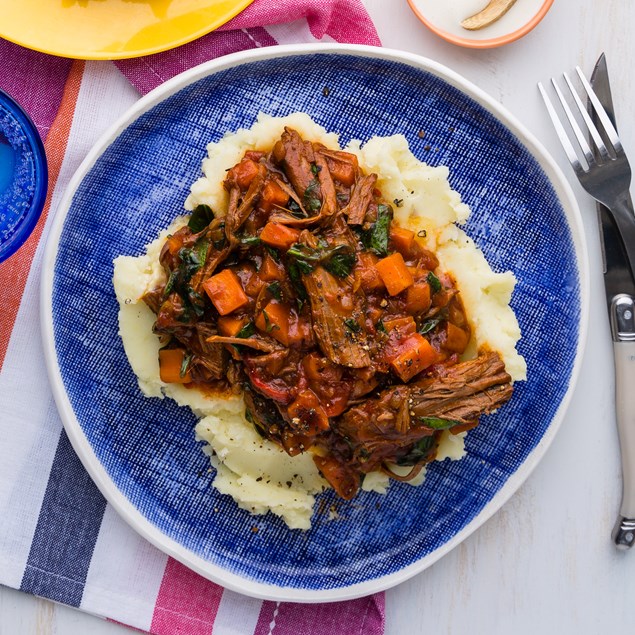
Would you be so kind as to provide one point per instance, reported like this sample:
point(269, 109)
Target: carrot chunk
point(418, 298)
point(403, 325)
point(244, 173)
point(401, 239)
point(415, 354)
point(225, 291)
point(270, 270)
point(229, 325)
point(394, 273)
point(170, 366)
point(273, 196)
point(279, 236)
point(456, 338)
point(274, 320)
point(368, 273)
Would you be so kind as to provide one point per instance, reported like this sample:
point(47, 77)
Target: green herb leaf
point(169, 285)
point(273, 252)
point(200, 218)
point(190, 262)
point(246, 331)
point(295, 209)
point(187, 358)
point(429, 325)
point(338, 260)
point(268, 325)
point(296, 280)
point(310, 199)
point(434, 282)
point(352, 325)
point(249, 241)
point(375, 239)
point(275, 290)
point(437, 424)
point(381, 327)
point(420, 451)
point(340, 264)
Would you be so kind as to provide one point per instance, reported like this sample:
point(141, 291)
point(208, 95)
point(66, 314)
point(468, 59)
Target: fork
point(607, 175)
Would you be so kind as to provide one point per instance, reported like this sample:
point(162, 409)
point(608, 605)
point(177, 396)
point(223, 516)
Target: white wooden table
point(544, 563)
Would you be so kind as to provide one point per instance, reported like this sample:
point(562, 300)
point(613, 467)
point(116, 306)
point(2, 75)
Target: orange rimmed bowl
point(445, 19)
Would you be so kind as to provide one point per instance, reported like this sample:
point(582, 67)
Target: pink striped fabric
point(356, 617)
point(170, 598)
point(342, 20)
point(187, 603)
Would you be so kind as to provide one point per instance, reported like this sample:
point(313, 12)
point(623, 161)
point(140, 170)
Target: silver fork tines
point(607, 174)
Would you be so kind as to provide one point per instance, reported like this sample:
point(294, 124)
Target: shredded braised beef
point(333, 321)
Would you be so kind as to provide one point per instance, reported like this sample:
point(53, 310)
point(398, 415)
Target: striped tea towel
point(59, 538)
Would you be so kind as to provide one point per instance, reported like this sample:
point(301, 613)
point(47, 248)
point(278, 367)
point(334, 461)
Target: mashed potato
point(255, 472)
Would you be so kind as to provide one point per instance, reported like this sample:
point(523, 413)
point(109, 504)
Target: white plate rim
point(83, 448)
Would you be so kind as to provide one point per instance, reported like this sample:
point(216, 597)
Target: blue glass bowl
point(23, 176)
point(142, 453)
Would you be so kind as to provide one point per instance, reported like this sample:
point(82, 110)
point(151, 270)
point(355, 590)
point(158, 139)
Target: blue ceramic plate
point(142, 452)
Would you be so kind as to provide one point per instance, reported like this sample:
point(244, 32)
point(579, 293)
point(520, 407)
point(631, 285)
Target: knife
point(619, 284)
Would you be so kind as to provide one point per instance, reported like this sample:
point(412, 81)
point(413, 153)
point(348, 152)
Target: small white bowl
point(444, 19)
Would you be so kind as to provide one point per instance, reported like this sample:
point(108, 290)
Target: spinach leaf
point(437, 424)
point(201, 217)
point(249, 241)
point(310, 197)
point(429, 325)
point(434, 282)
point(275, 290)
point(295, 209)
point(419, 452)
point(340, 264)
point(246, 331)
point(338, 260)
point(295, 276)
point(187, 358)
point(375, 239)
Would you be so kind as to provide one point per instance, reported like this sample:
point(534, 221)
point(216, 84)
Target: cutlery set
point(604, 172)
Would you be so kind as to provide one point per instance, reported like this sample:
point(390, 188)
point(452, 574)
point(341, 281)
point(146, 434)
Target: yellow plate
point(111, 29)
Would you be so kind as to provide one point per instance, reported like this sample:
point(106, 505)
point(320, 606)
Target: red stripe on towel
point(14, 271)
point(187, 603)
point(364, 616)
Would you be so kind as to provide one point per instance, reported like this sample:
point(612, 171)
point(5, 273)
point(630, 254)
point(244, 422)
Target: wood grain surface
point(544, 563)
